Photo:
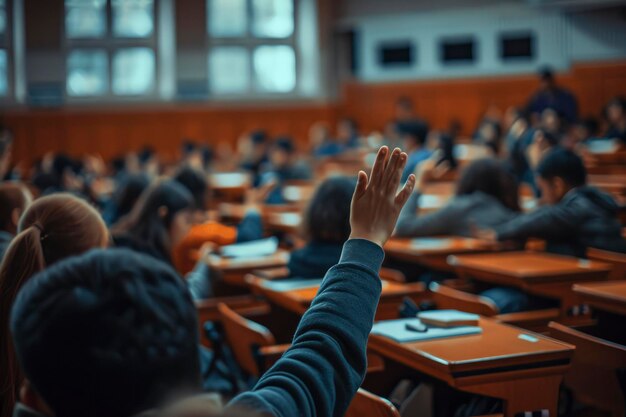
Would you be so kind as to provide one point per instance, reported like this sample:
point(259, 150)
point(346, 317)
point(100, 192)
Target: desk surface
point(530, 266)
point(230, 180)
point(284, 221)
point(498, 349)
point(443, 245)
point(608, 296)
point(280, 258)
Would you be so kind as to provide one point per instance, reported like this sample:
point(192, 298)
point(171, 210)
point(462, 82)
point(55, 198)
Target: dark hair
point(196, 183)
point(446, 145)
point(565, 164)
point(258, 137)
point(109, 333)
point(416, 129)
point(327, 218)
point(552, 138)
point(546, 74)
point(617, 101)
point(188, 146)
point(145, 154)
point(129, 192)
point(52, 228)
point(146, 224)
point(491, 177)
point(12, 196)
point(284, 143)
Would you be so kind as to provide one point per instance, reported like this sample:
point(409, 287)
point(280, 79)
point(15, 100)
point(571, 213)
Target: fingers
point(406, 191)
point(361, 185)
point(391, 168)
point(378, 169)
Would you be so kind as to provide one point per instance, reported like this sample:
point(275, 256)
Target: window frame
point(250, 42)
point(6, 44)
point(111, 44)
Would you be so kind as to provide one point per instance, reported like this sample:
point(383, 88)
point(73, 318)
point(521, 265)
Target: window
point(252, 47)
point(111, 48)
point(457, 51)
point(394, 54)
point(5, 41)
point(514, 47)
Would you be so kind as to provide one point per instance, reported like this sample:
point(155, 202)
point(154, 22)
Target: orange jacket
point(186, 254)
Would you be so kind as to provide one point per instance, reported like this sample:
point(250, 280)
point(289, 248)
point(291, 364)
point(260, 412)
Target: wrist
point(369, 237)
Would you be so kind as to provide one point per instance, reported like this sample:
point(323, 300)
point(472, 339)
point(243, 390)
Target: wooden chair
point(453, 299)
point(593, 374)
point(617, 260)
point(366, 404)
point(252, 345)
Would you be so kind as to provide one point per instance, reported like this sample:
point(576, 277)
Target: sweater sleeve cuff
point(363, 252)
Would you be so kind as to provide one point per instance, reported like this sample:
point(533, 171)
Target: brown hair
point(12, 196)
point(52, 228)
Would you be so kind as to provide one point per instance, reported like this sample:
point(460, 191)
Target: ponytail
point(23, 259)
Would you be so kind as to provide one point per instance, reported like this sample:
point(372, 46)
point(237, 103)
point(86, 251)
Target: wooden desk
point(607, 296)
point(233, 270)
point(299, 300)
point(433, 252)
point(614, 184)
point(286, 222)
point(298, 192)
point(230, 186)
point(537, 273)
point(237, 211)
point(498, 363)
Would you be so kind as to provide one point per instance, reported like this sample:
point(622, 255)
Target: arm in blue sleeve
point(250, 228)
point(199, 281)
point(321, 372)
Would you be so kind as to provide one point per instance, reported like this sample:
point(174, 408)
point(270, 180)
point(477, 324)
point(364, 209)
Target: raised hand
point(376, 202)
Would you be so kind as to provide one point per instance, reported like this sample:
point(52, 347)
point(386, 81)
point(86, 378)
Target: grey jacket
point(585, 217)
point(456, 218)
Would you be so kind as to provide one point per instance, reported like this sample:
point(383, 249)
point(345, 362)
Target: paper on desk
point(284, 285)
point(431, 242)
point(396, 330)
point(253, 249)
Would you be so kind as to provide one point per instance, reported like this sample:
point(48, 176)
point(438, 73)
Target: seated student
point(144, 352)
point(51, 229)
point(575, 216)
point(616, 116)
point(125, 197)
point(283, 166)
point(543, 142)
point(252, 152)
point(413, 135)
point(348, 133)
point(14, 200)
point(326, 226)
point(486, 196)
point(204, 231)
point(489, 134)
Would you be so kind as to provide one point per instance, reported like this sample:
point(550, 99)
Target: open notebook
point(253, 249)
point(397, 330)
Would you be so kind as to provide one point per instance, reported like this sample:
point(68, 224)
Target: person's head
point(162, 217)
point(327, 218)
point(347, 129)
point(546, 79)
point(551, 120)
point(51, 229)
point(129, 192)
point(490, 177)
point(107, 333)
point(196, 182)
point(282, 152)
point(545, 139)
point(559, 171)
point(616, 110)
point(404, 108)
point(14, 200)
point(319, 133)
point(413, 134)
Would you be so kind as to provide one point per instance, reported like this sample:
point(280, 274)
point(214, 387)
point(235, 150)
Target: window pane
point(272, 18)
point(85, 18)
point(229, 70)
point(227, 18)
point(133, 18)
point(4, 85)
point(87, 72)
point(275, 68)
point(133, 71)
point(3, 17)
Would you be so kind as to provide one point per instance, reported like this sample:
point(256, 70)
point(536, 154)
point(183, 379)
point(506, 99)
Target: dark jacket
point(314, 260)
point(456, 218)
point(585, 217)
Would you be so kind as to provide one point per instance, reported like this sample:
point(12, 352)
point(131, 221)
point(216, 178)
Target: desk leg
point(520, 395)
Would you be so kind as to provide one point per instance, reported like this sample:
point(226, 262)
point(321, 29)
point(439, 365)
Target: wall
point(439, 101)
point(562, 37)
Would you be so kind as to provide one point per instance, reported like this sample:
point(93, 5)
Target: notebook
point(254, 249)
point(396, 330)
point(448, 318)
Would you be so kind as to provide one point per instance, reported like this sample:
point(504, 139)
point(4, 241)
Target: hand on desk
point(376, 202)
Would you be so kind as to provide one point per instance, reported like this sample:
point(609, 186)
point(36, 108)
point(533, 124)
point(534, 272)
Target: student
point(542, 143)
point(348, 133)
point(616, 116)
point(209, 231)
point(326, 227)
point(551, 95)
point(252, 150)
point(486, 196)
point(125, 197)
point(51, 229)
point(144, 352)
point(413, 135)
point(283, 166)
point(14, 200)
point(575, 216)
